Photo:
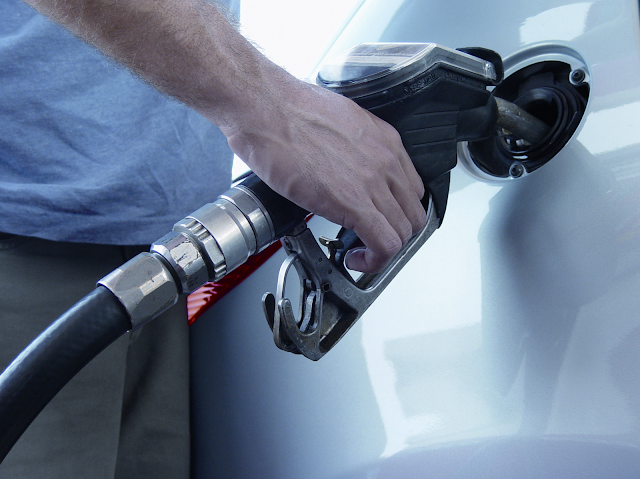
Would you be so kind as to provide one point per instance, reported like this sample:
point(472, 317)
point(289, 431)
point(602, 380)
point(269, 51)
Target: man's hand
point(316, 148)
point(333, 158)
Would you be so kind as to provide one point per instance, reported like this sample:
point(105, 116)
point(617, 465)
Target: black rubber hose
point(53, 358)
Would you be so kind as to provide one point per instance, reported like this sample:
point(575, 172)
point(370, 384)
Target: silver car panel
point(510, 345)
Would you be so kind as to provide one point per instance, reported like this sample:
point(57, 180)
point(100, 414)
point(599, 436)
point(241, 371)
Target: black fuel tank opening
point(550, 91)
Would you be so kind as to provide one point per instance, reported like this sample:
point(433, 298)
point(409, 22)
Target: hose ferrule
point(144, 286)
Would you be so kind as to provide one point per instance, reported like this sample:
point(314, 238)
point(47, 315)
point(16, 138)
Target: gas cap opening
point(555, 92)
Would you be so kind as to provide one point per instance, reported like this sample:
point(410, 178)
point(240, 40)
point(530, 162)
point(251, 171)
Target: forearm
point(185, 48)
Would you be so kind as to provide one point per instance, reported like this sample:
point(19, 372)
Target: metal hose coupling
point(216, 239)
point(205, 246)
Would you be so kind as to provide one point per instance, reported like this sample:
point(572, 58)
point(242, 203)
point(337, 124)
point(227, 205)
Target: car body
point(509, 346)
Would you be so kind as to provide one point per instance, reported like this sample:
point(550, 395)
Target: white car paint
point(510, 345)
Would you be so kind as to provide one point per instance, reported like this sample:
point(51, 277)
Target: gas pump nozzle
point(434, 96)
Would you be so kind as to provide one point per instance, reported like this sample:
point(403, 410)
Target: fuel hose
point(54, 357)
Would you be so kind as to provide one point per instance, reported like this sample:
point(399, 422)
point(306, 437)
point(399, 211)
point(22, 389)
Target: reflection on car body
point(509, 345)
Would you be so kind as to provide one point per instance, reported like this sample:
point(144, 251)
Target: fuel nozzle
point(434, 96)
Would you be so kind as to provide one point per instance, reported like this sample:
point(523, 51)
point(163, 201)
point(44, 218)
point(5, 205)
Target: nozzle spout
point(520, 123)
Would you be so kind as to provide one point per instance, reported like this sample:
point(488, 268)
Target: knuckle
point(406, 231)
point(391, 246)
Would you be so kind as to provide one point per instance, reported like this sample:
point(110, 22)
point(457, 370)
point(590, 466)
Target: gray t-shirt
point(89, 153)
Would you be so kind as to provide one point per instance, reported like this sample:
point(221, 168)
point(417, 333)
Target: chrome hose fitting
point(145, 287)
point(215, 239)
point(228, 231)
point(204, 246)
point(184, 259)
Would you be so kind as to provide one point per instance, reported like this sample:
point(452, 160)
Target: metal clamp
point(331, 301)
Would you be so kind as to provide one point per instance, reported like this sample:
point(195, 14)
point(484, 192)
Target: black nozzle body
point(285, 215)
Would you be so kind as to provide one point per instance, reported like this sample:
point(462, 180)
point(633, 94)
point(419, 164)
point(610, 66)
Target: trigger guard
point(293, 327)
point(280, 335)
point(289, 331)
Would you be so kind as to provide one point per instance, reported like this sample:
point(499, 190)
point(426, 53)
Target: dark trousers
point(126, 414)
